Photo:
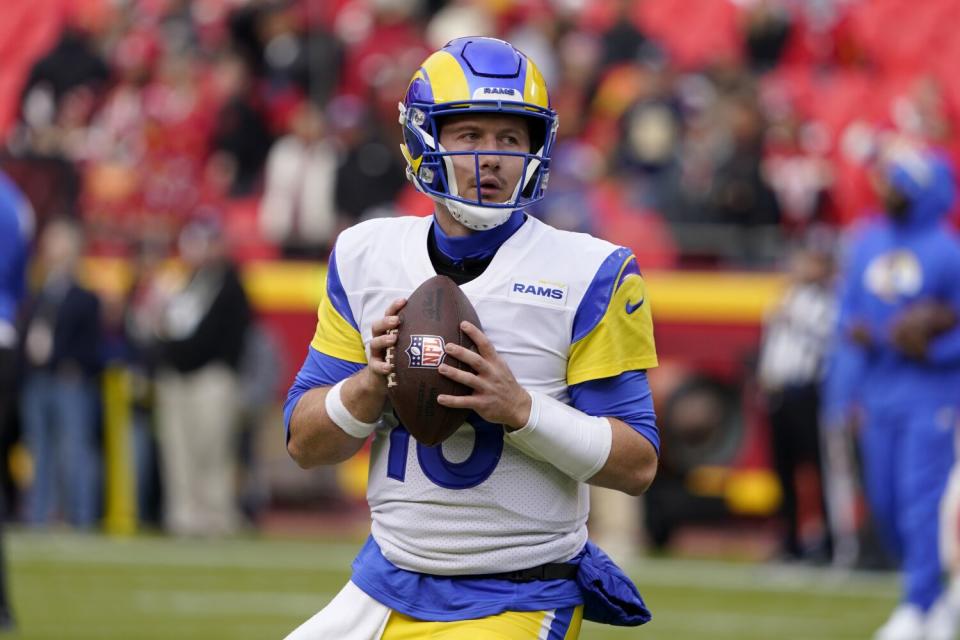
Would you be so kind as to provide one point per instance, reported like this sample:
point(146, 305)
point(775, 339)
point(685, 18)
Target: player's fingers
point(382, 367)
point(467, 357)
point(394, 307)
point(385, 324)
point(484, 346)
point(457, 402)
point(458, 375)
point(382, 342)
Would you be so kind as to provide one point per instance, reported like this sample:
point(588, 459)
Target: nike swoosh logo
point(633, 307)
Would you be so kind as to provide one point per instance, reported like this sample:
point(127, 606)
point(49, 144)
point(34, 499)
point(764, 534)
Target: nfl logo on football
point(426, 352)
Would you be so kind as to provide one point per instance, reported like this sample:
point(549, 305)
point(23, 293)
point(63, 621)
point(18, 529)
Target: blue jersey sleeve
point(14, 248)
point(318, 370)
point(626, 396)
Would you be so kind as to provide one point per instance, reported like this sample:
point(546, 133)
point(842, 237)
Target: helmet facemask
point(435, 175)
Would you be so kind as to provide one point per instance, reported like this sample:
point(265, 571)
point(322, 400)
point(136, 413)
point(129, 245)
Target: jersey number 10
point(487, 448)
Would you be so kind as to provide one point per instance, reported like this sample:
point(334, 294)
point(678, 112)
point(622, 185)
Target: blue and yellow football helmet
point(482, 75)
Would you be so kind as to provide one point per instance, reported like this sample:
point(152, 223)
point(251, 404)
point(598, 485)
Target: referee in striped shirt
point(796, 338)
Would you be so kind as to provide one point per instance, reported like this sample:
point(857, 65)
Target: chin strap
point(474, 216)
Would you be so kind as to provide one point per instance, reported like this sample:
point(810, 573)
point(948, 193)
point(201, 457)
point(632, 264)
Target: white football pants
point(351, 615)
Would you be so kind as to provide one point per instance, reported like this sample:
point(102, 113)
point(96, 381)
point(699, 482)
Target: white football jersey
point(476, 504)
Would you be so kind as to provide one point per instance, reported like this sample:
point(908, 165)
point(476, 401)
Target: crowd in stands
point(695, 131)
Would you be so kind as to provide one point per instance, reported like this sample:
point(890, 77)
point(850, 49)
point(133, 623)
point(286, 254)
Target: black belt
point(549, 571)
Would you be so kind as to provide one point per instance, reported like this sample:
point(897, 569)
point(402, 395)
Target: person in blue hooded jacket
point(16, 230)
point(899, 301)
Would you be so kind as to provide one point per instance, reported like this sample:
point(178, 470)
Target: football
point(429, 321)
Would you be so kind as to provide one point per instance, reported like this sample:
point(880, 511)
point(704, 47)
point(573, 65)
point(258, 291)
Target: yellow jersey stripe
point(335, 336)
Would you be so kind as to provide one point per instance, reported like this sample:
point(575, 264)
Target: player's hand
point(860, 334)
point(497, 396)
point(918, 324)
point(910, 340)
point(384, 336)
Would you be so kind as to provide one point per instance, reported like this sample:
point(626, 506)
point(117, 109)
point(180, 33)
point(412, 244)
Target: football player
point(898, 308)
point(484, 536)
point(16, 231)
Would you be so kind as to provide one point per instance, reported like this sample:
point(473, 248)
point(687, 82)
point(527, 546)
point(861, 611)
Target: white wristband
point(567, 438)
point(341, 416)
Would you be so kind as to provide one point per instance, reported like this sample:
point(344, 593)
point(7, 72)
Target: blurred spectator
point(899, 310)
point(648, 160)
point(61, 344)
point(578, 56)
point(623, 41)
point(118, 142)
point(240, 132)
point(178, 25)
point(383, 44)
point(278, 43)
point(73, 67)
point(535, 31)
point(798, 172)
point(261, 379)
point(767, 26)
point(202, 332)
point(298, 211)
point(460, 19)
point(148, 297)
point(741, 194)
point(795, 341)
point(178, 111)
point(371, 170)
point(16, 229)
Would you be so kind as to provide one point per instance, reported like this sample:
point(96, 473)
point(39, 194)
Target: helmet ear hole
point(538, 134)
point(529, 188)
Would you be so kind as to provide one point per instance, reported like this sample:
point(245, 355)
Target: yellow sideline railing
point(677, 296)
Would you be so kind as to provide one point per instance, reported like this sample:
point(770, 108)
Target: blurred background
point(182, 168)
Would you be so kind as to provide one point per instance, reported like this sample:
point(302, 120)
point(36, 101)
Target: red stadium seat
point(695, 33)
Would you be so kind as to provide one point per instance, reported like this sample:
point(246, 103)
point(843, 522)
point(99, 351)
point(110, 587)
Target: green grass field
point(72, 586)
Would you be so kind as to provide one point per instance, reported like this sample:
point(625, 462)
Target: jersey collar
point(479, 244)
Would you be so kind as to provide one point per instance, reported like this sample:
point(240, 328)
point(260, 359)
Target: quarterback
point(484, 536)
